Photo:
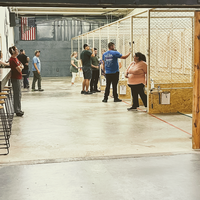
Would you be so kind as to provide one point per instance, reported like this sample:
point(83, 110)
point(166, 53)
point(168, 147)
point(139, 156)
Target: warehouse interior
point(72, 146)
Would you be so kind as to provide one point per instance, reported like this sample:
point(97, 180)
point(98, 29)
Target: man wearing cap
point(24, 59)
point(36, 68)
point(87, 67)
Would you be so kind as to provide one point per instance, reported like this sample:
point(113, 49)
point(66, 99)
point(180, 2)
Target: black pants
point(94, 80)
point(25, 78)
point(138, 90)
point(114, 79)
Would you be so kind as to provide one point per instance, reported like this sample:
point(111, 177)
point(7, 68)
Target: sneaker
point(82, 92)
point(41, 90)
point(117, 100)
point(97, 91)
point(86, 93)
point(20, 114)
point(34, 90)
point(104, 100)
point(132, 109)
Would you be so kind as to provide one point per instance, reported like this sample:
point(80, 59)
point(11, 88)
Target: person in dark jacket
point(24, 59)
point(95, 73)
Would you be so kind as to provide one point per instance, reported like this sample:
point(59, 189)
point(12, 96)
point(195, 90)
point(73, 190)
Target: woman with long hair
point(136, 74)
point(74, 66)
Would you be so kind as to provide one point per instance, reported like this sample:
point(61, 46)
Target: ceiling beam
point(104, 3)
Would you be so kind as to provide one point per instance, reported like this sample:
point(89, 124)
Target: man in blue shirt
point(36, 68)
point(111, 68)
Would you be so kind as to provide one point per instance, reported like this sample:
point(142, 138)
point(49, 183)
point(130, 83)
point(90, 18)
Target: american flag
point(28, 28)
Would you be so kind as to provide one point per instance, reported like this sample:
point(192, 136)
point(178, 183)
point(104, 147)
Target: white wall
point(5, 29)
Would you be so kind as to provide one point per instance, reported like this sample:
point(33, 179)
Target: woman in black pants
point(136, 74)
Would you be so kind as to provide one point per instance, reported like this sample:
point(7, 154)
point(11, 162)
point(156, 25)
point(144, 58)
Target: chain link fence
point(166, 38)
point(171, 47)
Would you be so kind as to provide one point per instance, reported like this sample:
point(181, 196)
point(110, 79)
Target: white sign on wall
point(103, 82)
point(122, 90)
point(165, 98)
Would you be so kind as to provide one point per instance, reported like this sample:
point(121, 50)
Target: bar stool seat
point(3, 97)
point(5, 89)
point(8, 87)
point(4, 93)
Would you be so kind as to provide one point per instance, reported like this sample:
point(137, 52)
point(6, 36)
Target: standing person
point(136, 74)
point(74, 66)
point(87, 68)
point(95, 73)
point(2, 63)
point(101, 61)
point(16, 76)
point(111, 68)
point(36, 68)
point(24, 59)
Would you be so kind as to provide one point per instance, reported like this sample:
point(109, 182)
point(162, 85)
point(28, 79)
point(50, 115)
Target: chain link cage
point(171, 46)
point(164, 36)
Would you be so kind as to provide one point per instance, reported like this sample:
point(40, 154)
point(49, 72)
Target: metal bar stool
point(9, 90)
point(9, 102)
point(8, 113)
point(2, 103)
point(5, 144)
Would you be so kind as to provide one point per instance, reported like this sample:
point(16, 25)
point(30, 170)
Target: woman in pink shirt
point(136, 74)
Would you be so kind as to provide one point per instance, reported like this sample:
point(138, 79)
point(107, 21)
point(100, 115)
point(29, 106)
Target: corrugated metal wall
point(53, 39)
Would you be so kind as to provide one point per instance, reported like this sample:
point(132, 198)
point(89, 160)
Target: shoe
point(93, 91)
point(34, 90)
point(132, 109)
point(117, 100)
point(20, 114)
point(86, 93)
point(104, 100)
point(82, 92)
point(97, 91)
point(41, 90)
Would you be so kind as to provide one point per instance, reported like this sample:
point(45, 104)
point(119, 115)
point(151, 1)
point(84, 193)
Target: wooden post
point(72, 46)
point(93, 40)
point(78, 49)
point(196, 87)
point(148, 64)
point(131, 57)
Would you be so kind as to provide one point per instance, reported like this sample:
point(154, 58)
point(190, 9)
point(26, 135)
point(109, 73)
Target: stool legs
point(4, 137)
point(6, 118)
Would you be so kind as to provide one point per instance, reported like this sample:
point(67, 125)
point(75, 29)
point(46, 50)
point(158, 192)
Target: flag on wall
point(28, 28)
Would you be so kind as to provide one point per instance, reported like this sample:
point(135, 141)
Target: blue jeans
point(25, 77)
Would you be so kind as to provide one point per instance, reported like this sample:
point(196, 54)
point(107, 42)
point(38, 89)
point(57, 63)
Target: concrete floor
point(146, 178)
point(60, 123)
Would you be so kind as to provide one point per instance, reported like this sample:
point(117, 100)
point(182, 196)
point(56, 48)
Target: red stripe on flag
point(27, 33)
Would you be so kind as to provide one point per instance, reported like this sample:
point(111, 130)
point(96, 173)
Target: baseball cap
point(36, 51)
